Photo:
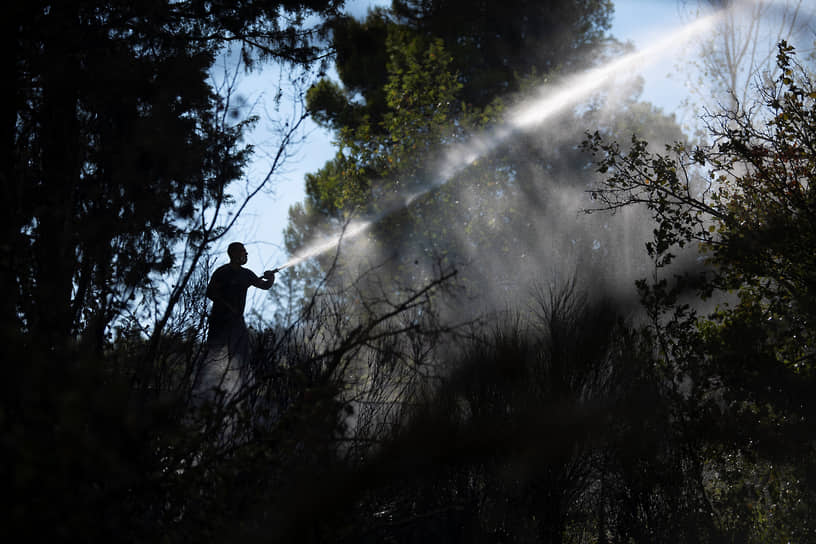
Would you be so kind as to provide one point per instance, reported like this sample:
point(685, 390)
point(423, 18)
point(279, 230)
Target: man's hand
point(269, 275)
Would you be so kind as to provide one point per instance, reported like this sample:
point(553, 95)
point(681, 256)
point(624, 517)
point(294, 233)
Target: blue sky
point(261, 226)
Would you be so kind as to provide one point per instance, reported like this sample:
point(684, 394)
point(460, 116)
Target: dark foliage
point(746, 203)
point(365, 416)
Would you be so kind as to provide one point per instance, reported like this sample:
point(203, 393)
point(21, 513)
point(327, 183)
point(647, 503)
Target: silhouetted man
point(227, 289)
point(228, 338)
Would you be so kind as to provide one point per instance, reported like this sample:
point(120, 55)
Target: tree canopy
point(492, 45)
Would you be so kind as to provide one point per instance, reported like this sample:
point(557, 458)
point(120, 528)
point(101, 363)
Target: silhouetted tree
point(117, 160)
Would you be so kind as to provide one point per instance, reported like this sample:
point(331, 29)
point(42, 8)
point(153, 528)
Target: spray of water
point(329, 243)
point(548, 102)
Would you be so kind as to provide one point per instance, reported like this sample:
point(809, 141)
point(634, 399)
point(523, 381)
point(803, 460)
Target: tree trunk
point(54, 252)
point(9, 191)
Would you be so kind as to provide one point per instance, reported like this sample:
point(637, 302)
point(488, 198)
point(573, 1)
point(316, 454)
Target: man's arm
point(266, 281)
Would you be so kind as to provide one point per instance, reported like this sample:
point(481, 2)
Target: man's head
point(237, 253)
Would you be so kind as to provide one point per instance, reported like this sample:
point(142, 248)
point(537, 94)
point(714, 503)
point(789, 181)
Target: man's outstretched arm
point(266, 281)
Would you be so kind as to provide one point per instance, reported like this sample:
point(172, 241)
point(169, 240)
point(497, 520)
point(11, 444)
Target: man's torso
point(232, 284)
